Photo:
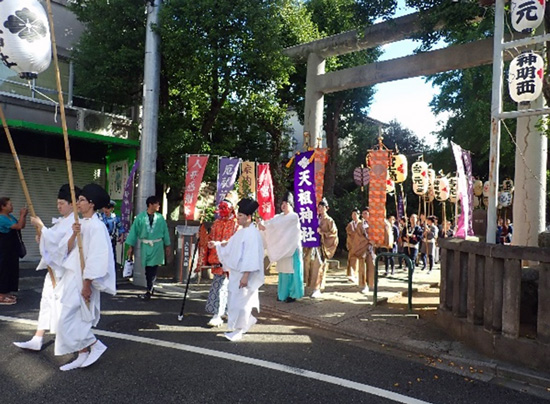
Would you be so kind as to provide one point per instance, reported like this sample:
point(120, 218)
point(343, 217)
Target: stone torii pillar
point(315, 99)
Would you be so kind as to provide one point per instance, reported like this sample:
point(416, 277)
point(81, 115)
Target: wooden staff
point(23, 182)
point(65, 132)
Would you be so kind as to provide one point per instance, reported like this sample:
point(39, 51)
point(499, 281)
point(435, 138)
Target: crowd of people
point(79, 256)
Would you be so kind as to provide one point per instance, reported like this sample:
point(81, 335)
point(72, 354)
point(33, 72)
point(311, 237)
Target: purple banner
point(305, 201)
point(227, 175)
point(400, 205)
point(126, 207)
point(464, 219)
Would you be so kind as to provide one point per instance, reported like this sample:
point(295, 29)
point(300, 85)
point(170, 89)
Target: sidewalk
point(344, 310)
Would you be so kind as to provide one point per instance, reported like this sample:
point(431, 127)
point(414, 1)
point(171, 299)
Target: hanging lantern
point(419, 172)
point(441, 189)
point(390, 186)
point(453, 189)
point(476, 202)
point(486, 189)
point(525, 77)
point(527, 15)
point(398, 168)
point(508, 185)
point(505, 199)
point(25, 45)
point(478, 188)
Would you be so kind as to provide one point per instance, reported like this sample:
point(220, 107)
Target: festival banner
point(400, 205)
point(126, 207)
point(321, 159)
point(467, 160)
point(377, 195)
point(305, 201)
point(227, 174)
point(266, 199)
point(464, 219)
point(196, 165)
point(247, 180)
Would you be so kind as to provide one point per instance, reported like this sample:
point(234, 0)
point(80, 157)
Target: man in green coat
point(151, 230)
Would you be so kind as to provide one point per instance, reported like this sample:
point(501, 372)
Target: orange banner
point(321, 158)
point(377, 195)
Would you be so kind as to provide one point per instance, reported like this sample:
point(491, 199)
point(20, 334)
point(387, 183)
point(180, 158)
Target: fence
point(487, 301)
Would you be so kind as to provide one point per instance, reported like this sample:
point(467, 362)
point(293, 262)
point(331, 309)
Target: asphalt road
point(154, 358)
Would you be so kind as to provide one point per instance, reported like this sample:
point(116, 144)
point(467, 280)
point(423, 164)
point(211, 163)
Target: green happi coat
point(153, 238)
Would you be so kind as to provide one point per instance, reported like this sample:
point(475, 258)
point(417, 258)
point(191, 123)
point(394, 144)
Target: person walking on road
point(284, 246)
point(151, 231)
point(53, 251)
point(81, 286)
point(243, 256)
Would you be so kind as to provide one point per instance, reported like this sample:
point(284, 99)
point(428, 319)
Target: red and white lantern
point(441, 188)
point(419, 172)
point(398, 168)
point(453, 189)
point(527, 15)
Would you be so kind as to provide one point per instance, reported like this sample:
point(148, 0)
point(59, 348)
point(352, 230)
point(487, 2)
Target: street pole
point(496, 109)
point(148, 141)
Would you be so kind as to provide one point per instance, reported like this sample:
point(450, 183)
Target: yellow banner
point(247, 180)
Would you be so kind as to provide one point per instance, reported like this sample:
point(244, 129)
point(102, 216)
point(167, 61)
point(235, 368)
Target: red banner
point(265, 192)
point(196, 164)
point(321, 158)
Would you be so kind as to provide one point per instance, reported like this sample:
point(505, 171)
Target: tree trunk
point(332, 134)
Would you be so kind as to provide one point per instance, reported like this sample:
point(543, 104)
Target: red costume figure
point(222, 229)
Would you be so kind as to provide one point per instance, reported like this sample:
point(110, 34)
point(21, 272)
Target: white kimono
point(282, 237)
point(77, 319)
point(53, 252)
point(243, 253)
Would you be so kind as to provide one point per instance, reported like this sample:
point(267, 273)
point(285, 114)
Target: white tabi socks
point(34, 344)
point(96, 350)
point(77, 363)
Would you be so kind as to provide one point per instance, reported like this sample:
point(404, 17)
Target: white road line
point(249, 361)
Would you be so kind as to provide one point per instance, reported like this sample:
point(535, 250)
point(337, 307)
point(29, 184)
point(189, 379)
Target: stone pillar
point(314, 102)
point(543, 315)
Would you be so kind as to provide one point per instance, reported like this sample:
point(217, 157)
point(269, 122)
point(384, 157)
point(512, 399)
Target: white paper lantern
point(398, 168)
point(390, 186)
point(525, 77)
point(453, 189)
point(431, 178)
point(25, 45)
point(527, 15)
point(486, 189)
point(478, 188)
point(505, 199)
point(441, 188)
point(419, 172)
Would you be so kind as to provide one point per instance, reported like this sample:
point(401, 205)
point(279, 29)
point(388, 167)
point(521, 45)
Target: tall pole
point(496, 109)
point(148, 142)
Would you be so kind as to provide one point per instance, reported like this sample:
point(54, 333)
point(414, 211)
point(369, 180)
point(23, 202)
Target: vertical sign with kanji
point(527, 15)
point(195, 170)
point(247, 181)
point(305, 200)
point(226, 177)
point(525, 77)
point(266, 200)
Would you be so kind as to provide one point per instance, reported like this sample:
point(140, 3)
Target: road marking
point(249, 361)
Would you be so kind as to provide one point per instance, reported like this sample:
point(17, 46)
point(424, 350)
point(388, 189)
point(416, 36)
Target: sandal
point(5, 300)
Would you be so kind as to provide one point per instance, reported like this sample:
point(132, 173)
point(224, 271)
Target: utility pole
point(148, 141)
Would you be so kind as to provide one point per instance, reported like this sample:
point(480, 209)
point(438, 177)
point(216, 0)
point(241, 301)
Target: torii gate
point(319, 83)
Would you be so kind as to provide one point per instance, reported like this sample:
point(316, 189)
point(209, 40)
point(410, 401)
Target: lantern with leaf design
point(25, 45)
point(398, 168)
point(419, 172)
point(486, 189)
point(525, 77)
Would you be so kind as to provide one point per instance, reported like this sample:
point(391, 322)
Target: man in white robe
point(80, 302)
point(53, 252)
point(243, 256)
point(284, 246)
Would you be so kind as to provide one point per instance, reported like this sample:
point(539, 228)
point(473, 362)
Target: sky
point(406, 101)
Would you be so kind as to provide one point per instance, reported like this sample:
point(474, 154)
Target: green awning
point(54, 130)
